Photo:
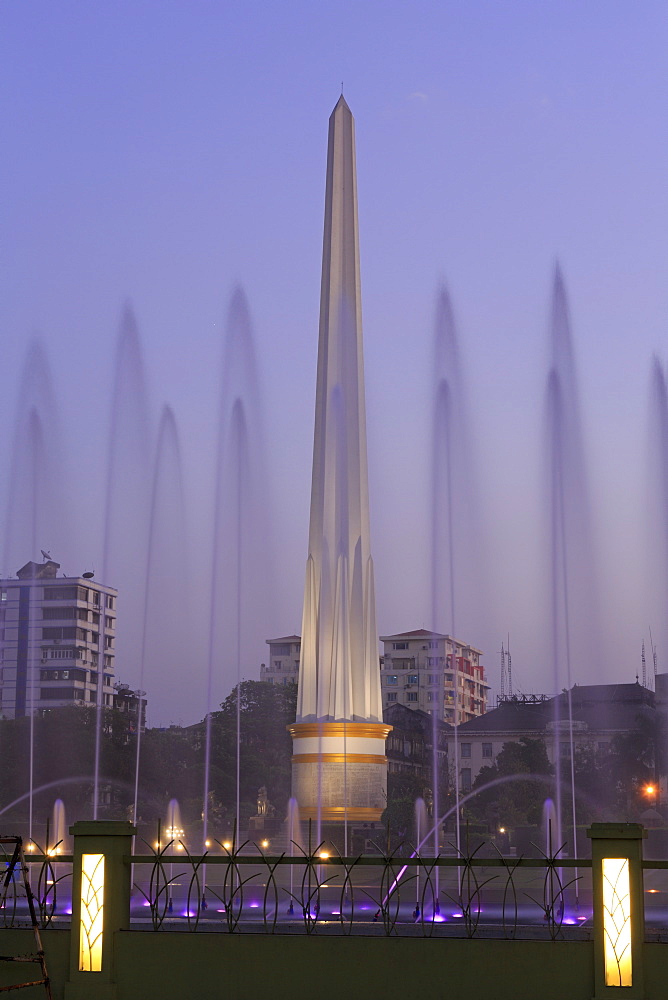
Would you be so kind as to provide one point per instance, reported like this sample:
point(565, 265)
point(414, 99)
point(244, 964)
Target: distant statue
point(428, 797)
point(262, 801)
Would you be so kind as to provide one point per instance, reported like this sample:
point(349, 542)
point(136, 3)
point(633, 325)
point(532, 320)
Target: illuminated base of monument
point(339, 771)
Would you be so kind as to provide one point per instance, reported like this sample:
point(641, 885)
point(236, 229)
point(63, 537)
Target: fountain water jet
point(457, 578)
point(575, 635)
point(127, 503)
point(165, 601)
point(58, 828)
point(241, 554)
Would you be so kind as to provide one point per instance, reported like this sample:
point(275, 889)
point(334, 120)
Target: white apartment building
point(57, 637)
point(435, 673)
point(283, 666)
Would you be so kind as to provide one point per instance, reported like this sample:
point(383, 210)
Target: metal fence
point(242, 888)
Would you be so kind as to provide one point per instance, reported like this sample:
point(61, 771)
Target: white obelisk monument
point(339, 767)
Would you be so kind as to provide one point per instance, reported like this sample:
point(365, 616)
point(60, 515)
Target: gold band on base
point(339, 758)
point(337, 814)
point(370, 730)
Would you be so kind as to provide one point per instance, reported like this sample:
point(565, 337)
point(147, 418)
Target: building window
point(59, 654)
point(96, 598)
point(412, 678)
point(466, 779)
point(270, 680)
point(110, 602)
point(280, 650)
point(465, 749)
point(399, 645)
point(448, 678)
point(60, 633)
point(433, 645)
point(60, 694)
point(391, 679)
point(391, 696)
point(564, 749)
point(58, 613)
point(487, 749)
point(432, 695)
point(60, 593)
point(432, 679)
point(412, 696)
point(278, 665)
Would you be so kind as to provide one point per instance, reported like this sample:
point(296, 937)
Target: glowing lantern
point(92, 912)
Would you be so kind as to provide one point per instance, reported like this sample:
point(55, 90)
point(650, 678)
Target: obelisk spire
point(339, 675)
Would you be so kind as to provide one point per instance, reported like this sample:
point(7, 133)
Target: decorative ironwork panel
point(617, 922)
point(92, 913)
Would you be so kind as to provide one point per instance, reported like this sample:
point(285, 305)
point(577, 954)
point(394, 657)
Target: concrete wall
point(174, 966)
point(180, 966)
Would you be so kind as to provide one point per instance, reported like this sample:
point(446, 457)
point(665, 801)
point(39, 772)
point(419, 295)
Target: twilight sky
point(163, 152)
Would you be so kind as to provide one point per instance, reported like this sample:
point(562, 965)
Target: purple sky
point(164, 151)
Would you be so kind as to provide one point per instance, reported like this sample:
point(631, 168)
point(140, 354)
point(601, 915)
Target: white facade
point(283, 665)
point(435, 673)
point(57, 638)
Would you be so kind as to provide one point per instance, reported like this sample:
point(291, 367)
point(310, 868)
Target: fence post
point(100, 906)
point(619, 909)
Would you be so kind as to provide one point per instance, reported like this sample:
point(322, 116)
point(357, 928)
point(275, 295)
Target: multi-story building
point(283, 666)
point(434, 673)
point(57, 637)
point(410, 745)
point(417, 670)
point(133, 704)
point(600, 712)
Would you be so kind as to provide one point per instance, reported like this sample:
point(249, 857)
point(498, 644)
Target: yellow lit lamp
point(619, 916)
point(100, 906)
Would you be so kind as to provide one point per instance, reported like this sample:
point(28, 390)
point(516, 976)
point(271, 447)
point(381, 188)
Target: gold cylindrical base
point(339, 770)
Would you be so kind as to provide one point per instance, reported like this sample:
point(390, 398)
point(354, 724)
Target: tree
point(403, 789)
point(513, 802)
point(265, 746)
point(609, 782)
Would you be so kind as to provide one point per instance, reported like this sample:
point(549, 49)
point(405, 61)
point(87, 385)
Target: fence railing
point(103, 887)
point(398, 893)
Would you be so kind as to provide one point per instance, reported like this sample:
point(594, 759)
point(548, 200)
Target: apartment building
point(283, 665)
point(57, 638)
point(435, 673)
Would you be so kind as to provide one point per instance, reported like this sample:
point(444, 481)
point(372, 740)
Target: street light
point(651, 792)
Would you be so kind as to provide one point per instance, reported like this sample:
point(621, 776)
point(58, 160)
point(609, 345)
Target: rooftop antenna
point(644, 666)
point(503, 672)
point(651, 642)
point(510, 669)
